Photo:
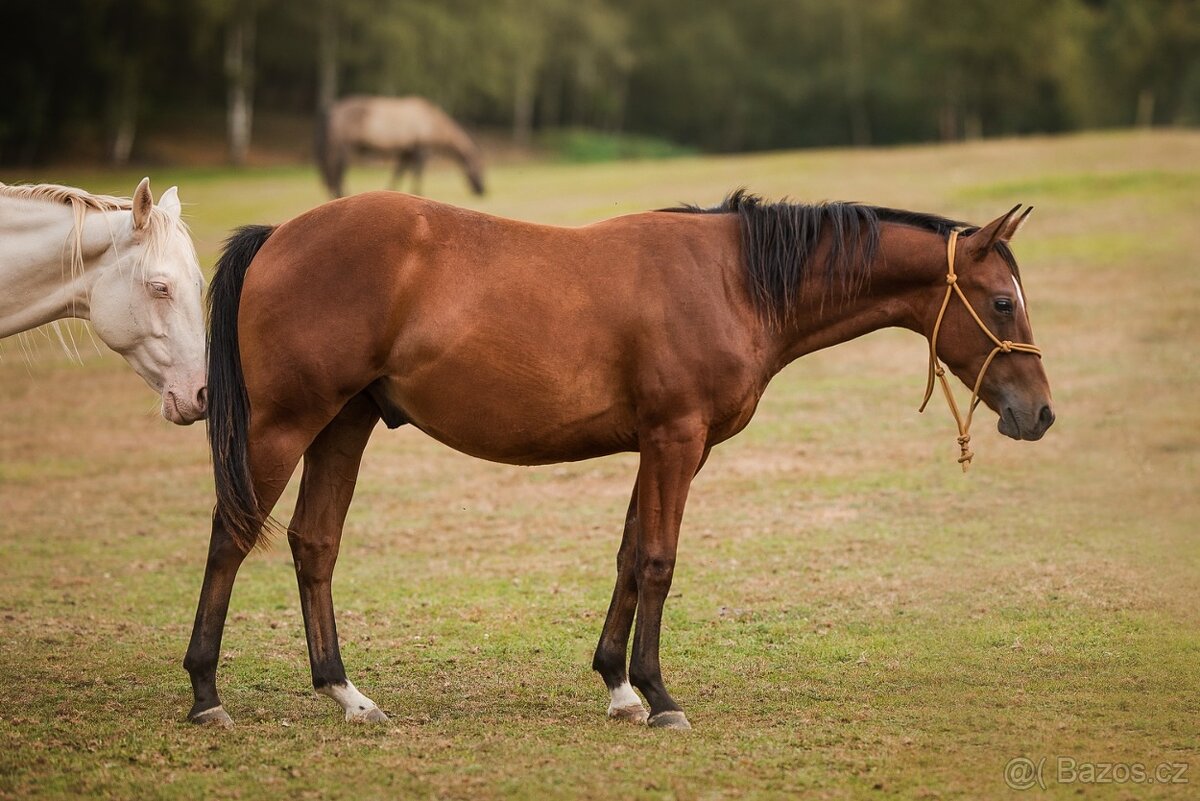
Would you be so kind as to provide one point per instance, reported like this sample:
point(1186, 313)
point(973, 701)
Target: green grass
point(851, 617)
point(1088, 186)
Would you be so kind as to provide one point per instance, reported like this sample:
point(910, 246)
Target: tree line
point(721, 75)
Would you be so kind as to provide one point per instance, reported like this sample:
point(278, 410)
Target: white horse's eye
point(158, 288)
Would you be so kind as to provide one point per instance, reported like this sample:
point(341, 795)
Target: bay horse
point(125, 264)
point(408, 129)
point(532, 344)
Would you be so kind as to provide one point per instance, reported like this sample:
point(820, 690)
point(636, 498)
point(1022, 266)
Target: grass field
point(851, 616)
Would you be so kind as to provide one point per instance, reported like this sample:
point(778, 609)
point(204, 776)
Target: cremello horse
point(126, 265)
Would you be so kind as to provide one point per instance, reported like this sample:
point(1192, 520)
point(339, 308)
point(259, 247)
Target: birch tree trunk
point(239, 76)
point(1145, 109)
point(856, 93)
point(327, 56)
point(124, 112)
point(523, 106)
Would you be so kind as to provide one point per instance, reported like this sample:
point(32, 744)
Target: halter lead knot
point(938, 373)
point(965, 452)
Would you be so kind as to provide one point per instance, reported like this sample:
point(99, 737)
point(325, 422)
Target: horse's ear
point(169, 202)
point(143, 201)
point(1015, 225)
point(980, 243)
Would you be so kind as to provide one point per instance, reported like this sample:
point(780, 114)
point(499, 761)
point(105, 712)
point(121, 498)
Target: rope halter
point(935, 366)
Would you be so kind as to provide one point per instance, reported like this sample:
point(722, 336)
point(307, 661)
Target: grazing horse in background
point(532, 344)
point(125, 264)
point(406, 128)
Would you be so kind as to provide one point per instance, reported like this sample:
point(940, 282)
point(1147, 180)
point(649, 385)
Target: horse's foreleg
point(612, 650)
point(330, 470)
point(280, 451)
point(670, 458)
point(403, 160)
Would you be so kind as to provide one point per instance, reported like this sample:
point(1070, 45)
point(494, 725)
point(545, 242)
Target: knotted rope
point(937, 371)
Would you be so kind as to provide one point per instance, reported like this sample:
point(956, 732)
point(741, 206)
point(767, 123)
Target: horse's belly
point(518, 417)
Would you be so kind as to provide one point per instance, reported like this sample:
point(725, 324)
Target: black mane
point(780, 239)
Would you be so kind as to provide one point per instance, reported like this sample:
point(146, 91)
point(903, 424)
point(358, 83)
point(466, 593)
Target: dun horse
point(125, 264)
point(408, 129)
point(530, 344)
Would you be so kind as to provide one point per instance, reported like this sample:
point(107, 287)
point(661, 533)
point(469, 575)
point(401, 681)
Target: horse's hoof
point(633, 713)
point(372, 715)
point(674, 719)
point(217, 716)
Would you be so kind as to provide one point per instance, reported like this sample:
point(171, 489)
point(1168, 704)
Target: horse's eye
point(1004, 305)
point(158, 289)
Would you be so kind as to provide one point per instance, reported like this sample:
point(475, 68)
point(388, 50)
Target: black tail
point(228, 404)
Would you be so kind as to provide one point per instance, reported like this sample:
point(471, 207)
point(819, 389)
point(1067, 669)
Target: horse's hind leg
point(336, 170)
point(419, 157)
point(281, 451)
point(613, 648)
point(330, 470)
point(224, 559)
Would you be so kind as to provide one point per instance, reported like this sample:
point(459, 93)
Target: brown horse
point(531, 344)
point(406, 128)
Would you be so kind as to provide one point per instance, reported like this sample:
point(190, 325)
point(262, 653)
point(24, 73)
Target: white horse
point(126, 265)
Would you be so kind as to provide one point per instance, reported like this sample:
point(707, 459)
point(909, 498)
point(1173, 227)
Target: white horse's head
point(146, 304)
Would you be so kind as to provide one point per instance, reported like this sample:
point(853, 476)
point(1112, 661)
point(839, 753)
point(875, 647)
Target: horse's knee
point(314, 557)
point(656, 570)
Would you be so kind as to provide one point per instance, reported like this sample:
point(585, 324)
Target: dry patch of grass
point(851, 616)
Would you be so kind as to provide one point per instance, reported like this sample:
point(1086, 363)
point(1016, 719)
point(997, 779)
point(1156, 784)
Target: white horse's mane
point(161, 226)
point(57, 193)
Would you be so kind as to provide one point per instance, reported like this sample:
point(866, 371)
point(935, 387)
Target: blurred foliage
point(714, 75)
point(589, 145)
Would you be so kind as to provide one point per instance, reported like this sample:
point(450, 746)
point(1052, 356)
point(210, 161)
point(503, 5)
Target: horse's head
point(474, 170)
point(994, 354)
point(146, 304)
point(472, 165)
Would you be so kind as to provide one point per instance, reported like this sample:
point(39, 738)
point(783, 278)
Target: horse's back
point(385, 123)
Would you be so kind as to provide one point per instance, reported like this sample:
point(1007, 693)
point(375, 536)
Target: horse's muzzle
point(185, 412)
point(1025, 425)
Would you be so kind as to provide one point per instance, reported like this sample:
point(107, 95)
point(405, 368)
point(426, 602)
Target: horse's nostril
point(1046, 416)
point(202, 400)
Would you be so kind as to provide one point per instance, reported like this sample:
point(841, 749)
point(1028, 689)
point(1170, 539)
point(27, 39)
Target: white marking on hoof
point(625, 705)
point(669, 720)
point(217, 716)
point(358, 707)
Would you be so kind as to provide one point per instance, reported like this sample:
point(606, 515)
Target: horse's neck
point(38, 282)
point(454, 138)
point(907, 268)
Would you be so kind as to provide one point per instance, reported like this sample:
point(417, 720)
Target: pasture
point(850, 616)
